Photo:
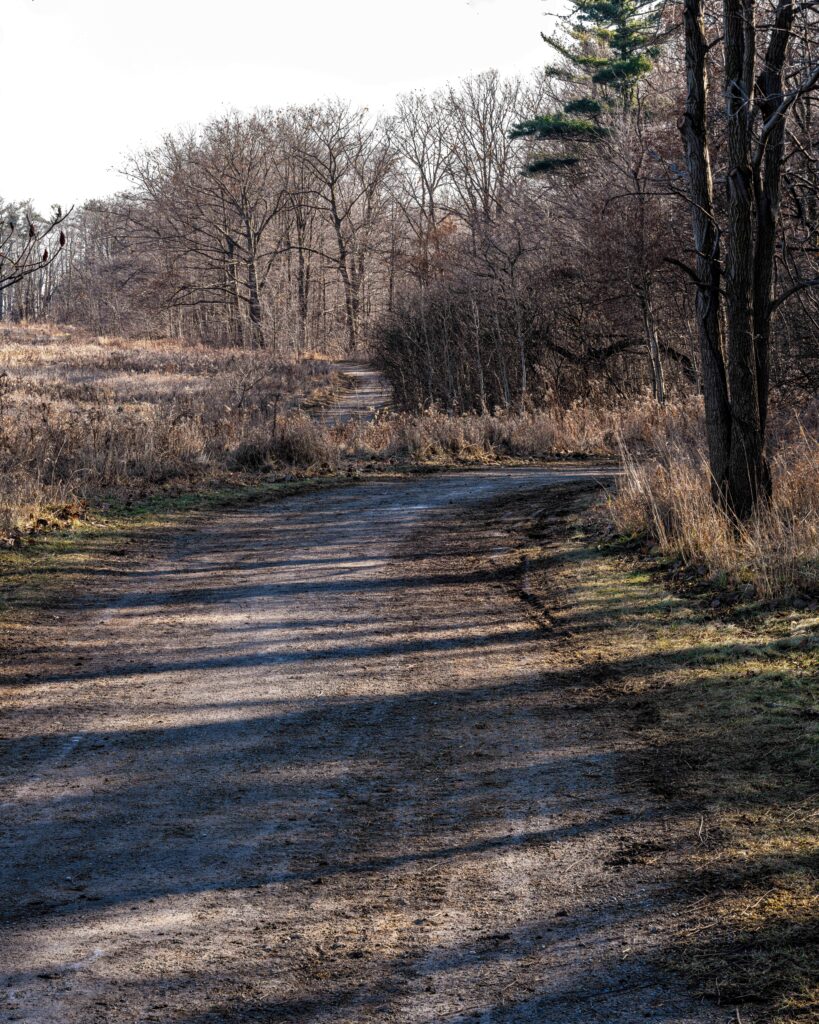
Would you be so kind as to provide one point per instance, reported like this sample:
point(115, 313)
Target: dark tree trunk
point(745, 473)
point(767, 181)
point(254, 304)
point(233, 291)
point(653, 344)
point(707, 245)
point(303, 297)
point(736, 382)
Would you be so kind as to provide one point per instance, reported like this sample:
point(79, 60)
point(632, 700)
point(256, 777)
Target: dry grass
point(716, 711)
point(585, 430)
point(82, 417)
point(775, 554)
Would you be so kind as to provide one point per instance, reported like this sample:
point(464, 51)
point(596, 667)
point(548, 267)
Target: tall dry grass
point(774, 554)
point(82, 416)
point(589, 430)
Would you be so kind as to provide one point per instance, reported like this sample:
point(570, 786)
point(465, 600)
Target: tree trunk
point(479, 355)
point(254, 300)
point(233, 290)
point(349, 304)
point(346, 280)
point(653, 341)
point(254, 303)
point(767, 170)
point(303, 297)
point(707, 245)
point(745, 473)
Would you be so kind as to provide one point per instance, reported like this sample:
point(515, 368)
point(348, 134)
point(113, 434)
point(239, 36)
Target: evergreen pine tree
point(607, 46)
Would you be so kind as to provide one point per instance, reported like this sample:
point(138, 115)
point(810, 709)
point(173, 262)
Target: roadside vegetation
point(94, 419)
point(715, 706)
point(774, 553)
point(89, 421)
point(614, 258)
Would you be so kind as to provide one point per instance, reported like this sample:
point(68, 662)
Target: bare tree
point(418, 135)
point(762, 85)
point(483, 157)
point(481, 287)
point(29, 244)
point(349, 161)
point(211, 200)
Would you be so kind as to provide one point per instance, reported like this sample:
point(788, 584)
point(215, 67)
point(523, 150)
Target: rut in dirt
point(318, 764)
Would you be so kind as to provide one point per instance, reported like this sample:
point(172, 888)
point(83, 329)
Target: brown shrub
point(668, 498)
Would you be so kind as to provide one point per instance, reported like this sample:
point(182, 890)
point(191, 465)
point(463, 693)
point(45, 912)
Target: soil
point(366, 393)
point(319, 762)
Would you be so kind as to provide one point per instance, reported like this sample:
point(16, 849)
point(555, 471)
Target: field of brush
point(84, 419)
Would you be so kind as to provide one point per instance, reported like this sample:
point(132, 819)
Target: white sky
point(86, 81)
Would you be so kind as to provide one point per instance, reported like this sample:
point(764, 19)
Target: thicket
point(636, 226)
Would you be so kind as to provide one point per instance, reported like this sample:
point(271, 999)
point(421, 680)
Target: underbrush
point(587, 430)
point(83, 418)
point(774, 554)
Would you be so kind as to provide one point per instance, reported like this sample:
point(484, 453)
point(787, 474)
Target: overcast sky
point(86, 81)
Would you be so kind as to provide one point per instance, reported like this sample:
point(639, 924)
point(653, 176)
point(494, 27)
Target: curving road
point(316, 765)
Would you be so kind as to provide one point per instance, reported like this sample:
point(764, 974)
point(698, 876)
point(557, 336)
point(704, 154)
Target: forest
point(598, 232)
point(356, 443)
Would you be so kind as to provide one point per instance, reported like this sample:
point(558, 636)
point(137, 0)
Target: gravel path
point(314, 766)
point(369, 392)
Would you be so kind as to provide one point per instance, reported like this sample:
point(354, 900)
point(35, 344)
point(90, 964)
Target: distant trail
point(370, 393)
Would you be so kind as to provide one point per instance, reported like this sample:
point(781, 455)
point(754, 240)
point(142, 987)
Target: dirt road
point(368, 393)
point(313, 766)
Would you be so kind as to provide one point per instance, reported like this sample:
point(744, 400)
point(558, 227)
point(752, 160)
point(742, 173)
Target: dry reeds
point(83, 416)
point(668, 497)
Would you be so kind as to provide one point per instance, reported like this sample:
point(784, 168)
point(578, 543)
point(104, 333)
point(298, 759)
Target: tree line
point(642, 215)
point(286, 229)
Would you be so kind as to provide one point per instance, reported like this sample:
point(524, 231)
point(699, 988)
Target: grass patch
point(667, 497)
point(83, 417)
point(717, 712)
